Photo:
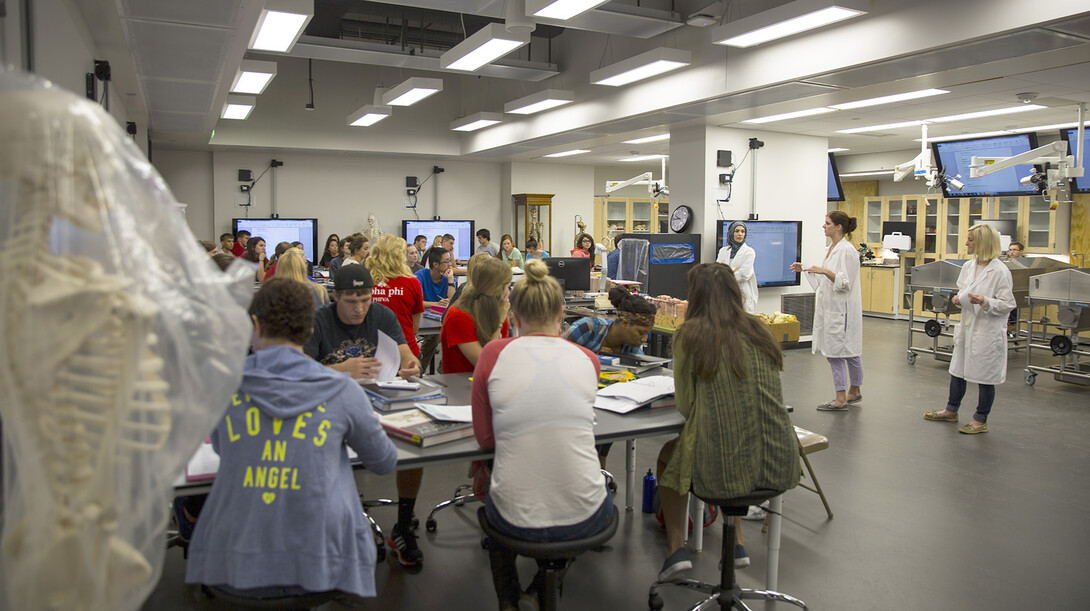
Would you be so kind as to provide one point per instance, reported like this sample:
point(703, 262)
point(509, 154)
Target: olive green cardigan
point(737, 436)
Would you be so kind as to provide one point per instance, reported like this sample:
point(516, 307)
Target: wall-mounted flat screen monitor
point(573, 273)
point(465, 243)
point(1081, 185)
point(836, 190)
point(776, 244)
point(275, 231)
point(955, 156)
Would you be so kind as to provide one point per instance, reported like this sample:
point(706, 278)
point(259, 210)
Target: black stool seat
point(301, 602)
point(553, 557)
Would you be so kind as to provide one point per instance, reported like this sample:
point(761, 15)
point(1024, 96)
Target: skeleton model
point(374, 230)
point(536, 226)
point(84, 403)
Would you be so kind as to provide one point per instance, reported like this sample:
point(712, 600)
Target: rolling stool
point(300, 602)
point(556, 555)
point(728, 593)
point(376, 530)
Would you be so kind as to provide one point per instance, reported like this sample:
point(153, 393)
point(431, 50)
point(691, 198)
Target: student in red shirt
point(395, 285)
point(478, 316)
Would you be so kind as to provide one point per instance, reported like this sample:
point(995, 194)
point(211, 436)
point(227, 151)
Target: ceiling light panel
point(238, 107)
point(483, 47)
point(645, 157)
point(412, 91)
point(281, 24)
point(809, 112)
point(368, 115)
point(838, 150)
point(568, 153)
point(879, 128)
point(642, 66)
point(787, 20)
point(476, 121)
point(253, 76)
point(537, 102)
point(560, 9)
point(889, 99)
point(646, 139)
point(987, 113)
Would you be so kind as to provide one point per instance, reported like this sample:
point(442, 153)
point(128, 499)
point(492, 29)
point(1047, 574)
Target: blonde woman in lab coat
point(980, 341)
point(741, 258)
point(838, 311)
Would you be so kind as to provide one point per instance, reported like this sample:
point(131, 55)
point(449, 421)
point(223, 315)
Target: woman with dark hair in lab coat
point(741, 259)
point(980, 342)
point(838, 311)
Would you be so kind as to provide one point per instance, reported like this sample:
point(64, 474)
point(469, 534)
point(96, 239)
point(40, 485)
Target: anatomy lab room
point(544, 304)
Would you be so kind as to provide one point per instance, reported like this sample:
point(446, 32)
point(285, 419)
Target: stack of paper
point(627, 396)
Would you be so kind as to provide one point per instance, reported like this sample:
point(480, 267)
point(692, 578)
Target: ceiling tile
point(223, 13)
point(178, 96)
point(170, 51)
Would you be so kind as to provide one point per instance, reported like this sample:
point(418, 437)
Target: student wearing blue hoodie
point(283, 517)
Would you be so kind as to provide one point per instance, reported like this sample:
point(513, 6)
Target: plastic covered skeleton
point(374, 229)
point(118, 354)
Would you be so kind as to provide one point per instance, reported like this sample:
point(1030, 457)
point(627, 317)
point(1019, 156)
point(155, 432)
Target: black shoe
point(403, 545)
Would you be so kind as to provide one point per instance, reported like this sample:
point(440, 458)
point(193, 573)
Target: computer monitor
point(836, 190)
point(275, 231)
point(573, 273)
point(465, 242)
point(955, 156)
point(1071, 136)
point(776, 244)
point(907, 228)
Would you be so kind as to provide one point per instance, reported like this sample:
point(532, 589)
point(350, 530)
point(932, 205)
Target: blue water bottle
point(648, 492)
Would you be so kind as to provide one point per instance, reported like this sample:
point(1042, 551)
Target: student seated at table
point(546, 484)
point(477, 317)
point(737, 436)
point(283, 517)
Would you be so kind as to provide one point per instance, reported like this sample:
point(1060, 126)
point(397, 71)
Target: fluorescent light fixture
point(238, 106)
point(560, 9)
point(878, 128)
point(855, 174)
point(412, 91)
point(1004, 132)
point(647, 139)
point(645, 65)
point(253, 76)
point(791, 115)
point(537, 102)
point(838, 150)
point(476, 121)
point(281, 24)
point(644, 157)
point(787, 20)
point(889, 99)
point(987, 113)
point(487, 44)
point(568, 153)
point(368, 115)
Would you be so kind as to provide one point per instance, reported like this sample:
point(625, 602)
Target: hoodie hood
point(283, 382)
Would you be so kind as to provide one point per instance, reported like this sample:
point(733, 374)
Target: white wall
point(573, 189)
point(189, 175)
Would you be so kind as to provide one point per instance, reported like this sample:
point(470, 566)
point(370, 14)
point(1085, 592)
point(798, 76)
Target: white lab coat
point(980, 341)
point(838, 306)
point(745, 274)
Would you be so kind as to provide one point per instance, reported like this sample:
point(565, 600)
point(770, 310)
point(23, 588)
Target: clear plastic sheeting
point(121, 345)
point(634, 260)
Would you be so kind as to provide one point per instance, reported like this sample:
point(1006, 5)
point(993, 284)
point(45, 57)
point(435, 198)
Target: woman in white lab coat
point(838, 311)
point(741, 258)
point(980, 341)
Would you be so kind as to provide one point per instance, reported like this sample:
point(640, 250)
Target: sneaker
point(969, 429)
point(755, 513)
point(675, 565)
point(403, 545)
point(741, 558)
point(829, 407)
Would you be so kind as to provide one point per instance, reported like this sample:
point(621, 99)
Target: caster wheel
point(431, 525)
point(459, 502)
point(380, 554)
point(654, 602)
point(911, 358)
point(416, 523)
point(612, 485)
point(1030, 379)
point(484, 543)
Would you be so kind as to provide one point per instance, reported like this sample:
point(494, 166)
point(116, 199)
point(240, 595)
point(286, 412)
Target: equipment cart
point(1069, 291)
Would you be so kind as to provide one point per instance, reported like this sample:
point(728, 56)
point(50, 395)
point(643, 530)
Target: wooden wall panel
point(853, 205)
point(1080, 228)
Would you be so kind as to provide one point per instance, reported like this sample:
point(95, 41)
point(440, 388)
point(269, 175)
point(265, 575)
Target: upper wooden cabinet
point(616, 215)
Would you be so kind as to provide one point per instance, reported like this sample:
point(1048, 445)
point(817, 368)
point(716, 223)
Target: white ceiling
point(184, 56)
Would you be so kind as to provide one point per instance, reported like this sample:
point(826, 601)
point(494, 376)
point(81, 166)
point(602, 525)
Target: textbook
point(637, 363)
point(393, 399)
point(203, 465)
point(627, 396)
point(418, 428)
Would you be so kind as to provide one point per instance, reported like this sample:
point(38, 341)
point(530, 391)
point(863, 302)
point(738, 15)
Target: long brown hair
point(717, 326)
point(482, 295)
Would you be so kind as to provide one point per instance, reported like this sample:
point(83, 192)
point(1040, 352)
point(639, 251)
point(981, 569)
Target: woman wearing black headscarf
point(741, 259)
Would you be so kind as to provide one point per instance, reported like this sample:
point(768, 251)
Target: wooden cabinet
point(878, 286)
point(616, 215)
point(533, 218)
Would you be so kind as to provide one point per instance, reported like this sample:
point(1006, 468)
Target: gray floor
point(925, 518)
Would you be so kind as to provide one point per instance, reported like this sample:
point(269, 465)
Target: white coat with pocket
point(980, 341)
point(743, 263)
point(838, 305)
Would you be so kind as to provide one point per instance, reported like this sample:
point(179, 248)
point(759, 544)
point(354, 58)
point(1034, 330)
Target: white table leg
point(630, 473)
point(696, 514)
point(772, 575)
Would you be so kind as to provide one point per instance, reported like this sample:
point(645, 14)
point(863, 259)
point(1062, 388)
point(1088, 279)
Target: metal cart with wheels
point(1069, 291)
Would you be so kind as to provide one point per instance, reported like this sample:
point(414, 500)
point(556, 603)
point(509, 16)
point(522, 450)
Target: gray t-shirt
point(335, 342)
point(489, 248)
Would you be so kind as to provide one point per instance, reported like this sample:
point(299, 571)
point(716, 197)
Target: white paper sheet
point(627, 396)
point(203, 465)
point(450, 413)
point(388, 356)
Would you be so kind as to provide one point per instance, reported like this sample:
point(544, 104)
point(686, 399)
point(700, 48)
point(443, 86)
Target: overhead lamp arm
point(612, 186)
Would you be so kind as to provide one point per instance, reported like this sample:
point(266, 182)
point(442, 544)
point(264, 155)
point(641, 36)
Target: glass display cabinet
point(533, 218)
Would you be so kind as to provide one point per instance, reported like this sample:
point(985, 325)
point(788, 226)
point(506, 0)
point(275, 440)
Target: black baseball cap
point(353, 277)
